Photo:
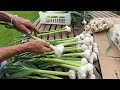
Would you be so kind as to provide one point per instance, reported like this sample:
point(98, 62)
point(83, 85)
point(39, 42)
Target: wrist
point(13, 18)
point(22, 48)
point(26, 47)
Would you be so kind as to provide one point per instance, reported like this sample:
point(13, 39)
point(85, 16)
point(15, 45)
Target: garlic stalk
point(85, 41)
point(59, 49)
point(65, 29)
point(85, 54)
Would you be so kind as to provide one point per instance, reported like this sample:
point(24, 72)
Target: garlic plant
point(76, 55)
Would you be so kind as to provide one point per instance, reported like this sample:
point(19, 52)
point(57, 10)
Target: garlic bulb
point(96, 50)
point(91, 40)
point(95, 45)
point(77, 38)
point(59, 49)
point(86, 41)
point(82, 36)
point(84, 61)
point(87, 27)
point(94, 56)
point(87, 54)
point(89, 68)
point(91, 76)
point(66, 26)
point(81, 73)
point(84, 22)
point(72, 74)
point(84, 47)
point(90, 48)
point(91, 59)
point(88, 35)
point(68, 29)
point(78, 45)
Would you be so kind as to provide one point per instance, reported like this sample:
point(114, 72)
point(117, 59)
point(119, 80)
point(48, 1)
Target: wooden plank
point(115, 15)
point(98, 14)
point(46, 29)
point(51, 36)
point(102, 12)
point(36, 22)
point(97, 65)
point(42, 28)
point(107, 12)
point(58, 35)
point(98, 76)
point(64, 34)
point(38, 26)
point(93, 14)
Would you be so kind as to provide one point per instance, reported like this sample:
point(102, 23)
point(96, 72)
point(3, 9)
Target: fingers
point(45, 44)
point(45, 49)
point(26, 30)
point(35, 33)
point(32, 27)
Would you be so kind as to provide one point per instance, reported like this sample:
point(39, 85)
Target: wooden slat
point(42, 29)
point(38, 26)
point(97, 65)
point(113, 14)
point(51, 36)
point(94, 15)
point(46, 29)
point(102, 12)
point(64, 34)
point(36, 22)
point(98, 76)
point(98, 14)
point(58, 35)
point(107, 13)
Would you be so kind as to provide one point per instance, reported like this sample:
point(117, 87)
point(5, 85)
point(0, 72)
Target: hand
point(25, 25)
point(38, 47)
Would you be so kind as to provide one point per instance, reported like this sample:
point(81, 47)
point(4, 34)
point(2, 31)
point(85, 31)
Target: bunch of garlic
point(98, 25)
point(91, 49)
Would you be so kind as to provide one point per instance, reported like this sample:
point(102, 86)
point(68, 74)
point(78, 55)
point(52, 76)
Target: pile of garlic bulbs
point(98, 25)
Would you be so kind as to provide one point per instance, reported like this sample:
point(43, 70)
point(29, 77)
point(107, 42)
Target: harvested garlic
point(84, 61)
point(72, 74)
point(59, 49)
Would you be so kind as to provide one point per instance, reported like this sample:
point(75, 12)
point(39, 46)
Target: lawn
point(8, 35)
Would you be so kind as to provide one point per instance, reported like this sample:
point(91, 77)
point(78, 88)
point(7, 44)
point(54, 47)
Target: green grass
point(8, 35)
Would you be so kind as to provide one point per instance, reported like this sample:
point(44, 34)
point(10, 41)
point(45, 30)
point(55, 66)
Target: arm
point(5, 17)
point(19, 23)
point(35, 46)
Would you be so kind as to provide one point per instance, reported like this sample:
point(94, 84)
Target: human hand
point(24, 25)
point(38, 47)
